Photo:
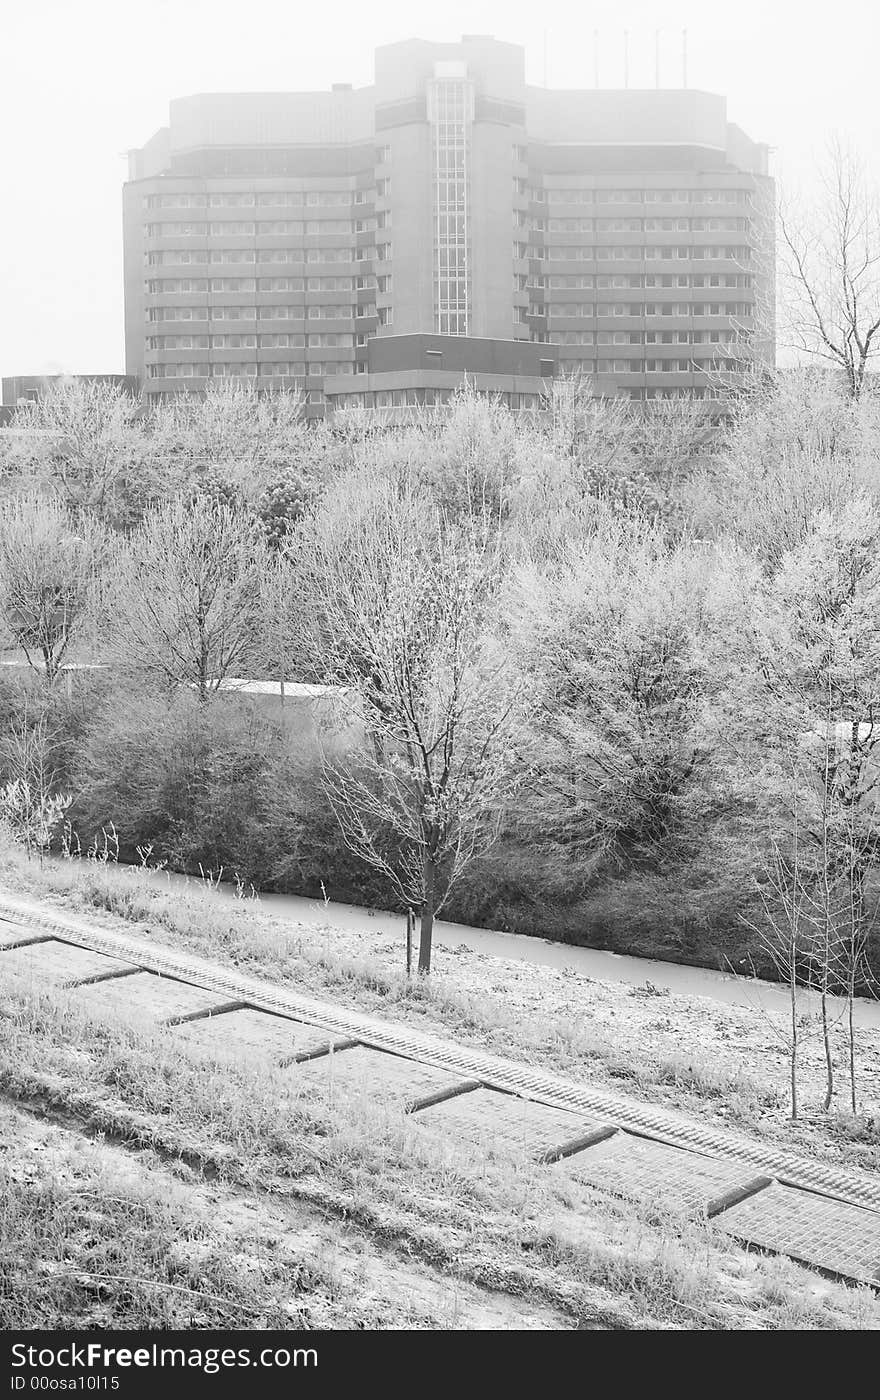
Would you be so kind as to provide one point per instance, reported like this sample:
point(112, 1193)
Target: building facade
point(274, 237)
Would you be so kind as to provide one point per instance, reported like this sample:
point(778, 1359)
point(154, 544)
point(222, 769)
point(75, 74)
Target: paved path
point(823, 1216)
point(679, 978)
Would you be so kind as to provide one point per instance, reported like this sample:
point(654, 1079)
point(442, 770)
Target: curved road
point(518, 947)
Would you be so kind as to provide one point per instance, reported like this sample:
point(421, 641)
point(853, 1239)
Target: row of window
point(200, 257)
point(275, 369)
point(176, 285)
point(270, 228)
point(426, 398)
point(656, 196)
point(681, 253)
point(266, 199)
point(725, 337)
point(572, 309)
point(261, 313)
point(169, 286)
point(640, 225)
point(636, 280)
point(249, 340)
point(681, 366)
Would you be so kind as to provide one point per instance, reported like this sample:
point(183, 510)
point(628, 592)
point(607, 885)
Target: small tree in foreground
point(401, 621)
point(30, 805)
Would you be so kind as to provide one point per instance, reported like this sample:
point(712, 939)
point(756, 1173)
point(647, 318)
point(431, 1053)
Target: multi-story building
point(273, 236)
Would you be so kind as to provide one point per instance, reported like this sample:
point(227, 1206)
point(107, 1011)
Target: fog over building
point(371, 245)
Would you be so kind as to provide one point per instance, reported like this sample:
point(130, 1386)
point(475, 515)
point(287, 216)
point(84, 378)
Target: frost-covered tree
point(50, 565)
point(183, 602)
point(396, 611)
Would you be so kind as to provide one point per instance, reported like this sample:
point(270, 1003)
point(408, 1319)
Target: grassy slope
point(565, 1255)
point(723, 1063)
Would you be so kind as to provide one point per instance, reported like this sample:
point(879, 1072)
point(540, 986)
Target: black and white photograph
point(439, 683)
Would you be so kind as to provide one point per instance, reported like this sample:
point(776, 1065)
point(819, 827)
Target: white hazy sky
point(82, 81)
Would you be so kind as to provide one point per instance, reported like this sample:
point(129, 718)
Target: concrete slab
point(57, 962)
point(502, 1122)
point(146, 997)
point(379, 1075)
point(254, 1033)
point(655, 1173)
point(13, 933)
point(817, 1230)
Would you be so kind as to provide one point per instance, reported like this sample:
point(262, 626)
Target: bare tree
point(401, 620)
point(241, 436)
point(672, 437)
point(831, 270)
point(596, 432)
point(780, 936)
point(813, 674)
point(183, 604)
point(83, 437)
point(49, 569)
point(279, 649)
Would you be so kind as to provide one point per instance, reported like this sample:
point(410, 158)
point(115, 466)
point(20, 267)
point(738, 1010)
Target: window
point(329, 284)
point(177, 342)
point(280, 199)
point(234, 371)
point(281, 313)
point(618, 225)
point(183, 257)
point(233, 342)
point(330, 199)
point(172, 286)
point(177, 313)
point(233, 284)
point(280, 228)
point(325, 226)
point(329, 255)
point(232, 255)
point(572, 225)
point(572, 338)
point(450, 113)
point(227, 200)
point(233, 313)
point(343, 312)
point(232, 229)
point(284, 341)
point(331, 340)
point(569, 196)
point(281, 284)
point(175, 230)
point(174, 201)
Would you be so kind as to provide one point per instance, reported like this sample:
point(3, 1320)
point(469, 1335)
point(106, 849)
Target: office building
point(280, 237)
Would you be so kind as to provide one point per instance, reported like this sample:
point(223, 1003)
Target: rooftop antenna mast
point(684, 58)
